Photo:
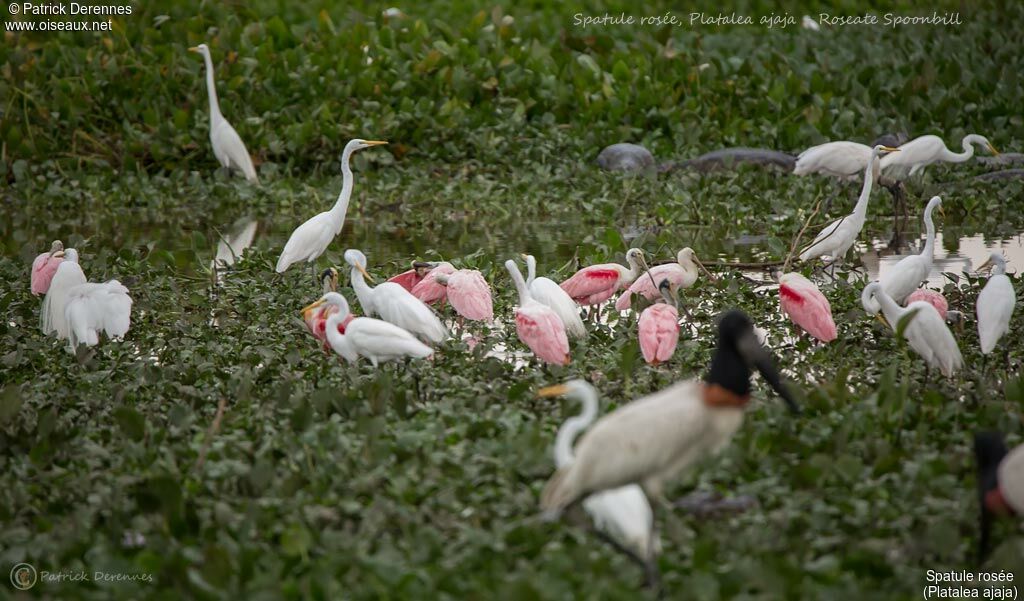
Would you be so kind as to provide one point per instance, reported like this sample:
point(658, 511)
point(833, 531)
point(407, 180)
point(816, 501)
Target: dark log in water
point(1005, 174)
point(1003, 160)
point(729, 158)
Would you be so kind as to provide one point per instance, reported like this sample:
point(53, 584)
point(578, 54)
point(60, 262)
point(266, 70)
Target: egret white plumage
point(995, 304)
point(652, 439)
point(926, 333)
point(837, 238)
point(376, 340)
point(841, 159)
point(95, 308)
point(546, 292)
point(681, 274)
point(1000, 481)
point(623, 514)
point(393, 303)
point(69, 274)
point(920, 152)
point(227, 145)
point(904, 278)
point(312, 238)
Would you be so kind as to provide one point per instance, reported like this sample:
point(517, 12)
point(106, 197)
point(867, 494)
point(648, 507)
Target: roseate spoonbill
point(595, 284)
point(45, 266)
point(931, 297)
point(393, 303)
point(69, 274)
point(311, 239)
point(995, 304)
point(842, 159)
point(908, 274)
point(652, 439)
point(804, 303)
point(227, 145)
point(366, 337)
point(1000, 480)
point(837, 237)
point(316, 319)
point(92, 308)
point(408, 279)
point(537, 325)
point(659, 327)
point(429, 290)
point(681, 274)
point(468, 293)
point(926, 150)
point(926, 333)
point(623, 514)
point(546, 292)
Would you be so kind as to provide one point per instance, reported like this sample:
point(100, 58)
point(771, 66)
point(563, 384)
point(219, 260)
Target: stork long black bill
point(757, 356)
point(738, 351)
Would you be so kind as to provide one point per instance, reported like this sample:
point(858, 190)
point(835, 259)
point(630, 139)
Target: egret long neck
point(363, 291)
point(960, 157)
point(338, 341)
point(893, 312)
point(929, 241)
point(211, 89)
point(340, 207)
point(861, 210)
point(572, 427)
point(524, 292)
point(531, 269)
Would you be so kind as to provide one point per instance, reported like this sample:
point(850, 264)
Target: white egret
point(312, 238)
point(69, 274)
point(995, 304)
point(546, 292)
point(367, 337)
point(904, 278)
point(842, 159)
point(926, 333)
point(1000, 479)
point(623, 514)
point(227, 145)
point(95, 308)
point(926, 150)
point(652, 439)
point(393, 303)
point(837, 238)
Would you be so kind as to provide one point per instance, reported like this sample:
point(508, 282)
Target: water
point(956, 255)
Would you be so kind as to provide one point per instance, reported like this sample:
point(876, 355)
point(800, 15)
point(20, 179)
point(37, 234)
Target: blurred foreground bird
point(1000, 478)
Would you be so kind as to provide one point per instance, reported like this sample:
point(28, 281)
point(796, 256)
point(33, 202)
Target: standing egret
point(926, 333)
point(311, 239)
point(366, 337)
point(652, 439)
point(995, 304)
point(658, 328)
point(45, 266)
point(1000, 478)
point(393, 303)
point(546, 292)
point(95, 308)
point(597, 283)
point(429, 290)
point(623, 514)
point(931, 297)
point(316, 319)
point(804, 303)
point(837, 238)
point(227, 145)
point(926, 150)
point(842, 159)
point(681, 274)
point(537, 325)
point(908, 274)
point(469, 294)
point(69, 274)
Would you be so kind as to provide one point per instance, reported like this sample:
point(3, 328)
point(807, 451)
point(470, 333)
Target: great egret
point(595, 284)
point(311, 239)
point(366, 337)
point(995, 304)
point(842, 159)
point(623, 514)
point(409, 278)
point(926, 333)
point(804, 303)
point(926, 150)
point(227, 145)
point(95, 308)
point(652, 439)
point(546, 292)
point(1000, 480)
point(393, 303)
point(658, 329)
point(45, 266)
point(428, 289)
point(908, 274)
point(537, 325)
point(931, 297)
point(316, 319)
point(469, 294)
point(69, 274)
point(681, 274)
point(837, 238)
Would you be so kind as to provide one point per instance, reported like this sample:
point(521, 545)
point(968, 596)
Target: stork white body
point(905, 277)
point(546, 292)
point(842, 159)
point(52, 317)
point(995, 305)
point(926, 333)
point(227, 145)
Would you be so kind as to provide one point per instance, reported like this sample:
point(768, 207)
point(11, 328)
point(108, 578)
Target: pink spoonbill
point(659, 327)
point(45, 266)
point(537, 325)
point(681, 274)
point(804, 303)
